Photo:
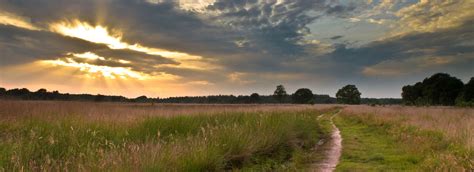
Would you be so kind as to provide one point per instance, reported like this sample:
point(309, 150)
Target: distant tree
point(42, 90)
point(439, 89)
point(141, 99)
point(99, 98)
point(303, 96)
point(2, 91)
point(21, 93)
point(255, 98)
point(469, 91)
point(280, 93)
point(41, 94)
point(348, 94)
point(467, 94)
point(411, 94)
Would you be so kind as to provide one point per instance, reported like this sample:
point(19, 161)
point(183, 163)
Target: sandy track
point(333, 152)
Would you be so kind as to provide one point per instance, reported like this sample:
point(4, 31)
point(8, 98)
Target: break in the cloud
point(195, 47)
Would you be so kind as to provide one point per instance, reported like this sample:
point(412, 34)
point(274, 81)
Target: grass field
point(407, 138)
point(86, 136)
point(45, 136)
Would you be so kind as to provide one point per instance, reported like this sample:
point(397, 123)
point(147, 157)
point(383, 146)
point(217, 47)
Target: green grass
point(229, 141)
point(377, 144)
point(369, 148)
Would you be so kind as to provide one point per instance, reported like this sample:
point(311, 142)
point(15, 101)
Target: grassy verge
point(230, 141)
point(375, 144)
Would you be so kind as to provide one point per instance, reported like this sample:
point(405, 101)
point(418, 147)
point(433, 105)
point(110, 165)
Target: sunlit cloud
point(108, 72)
point(87, 55)
point(190, 5)
point(113, 39)
point(15, 20)
point(431, 16)
point(104, 71)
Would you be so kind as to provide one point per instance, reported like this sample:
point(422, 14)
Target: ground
point(50, 135)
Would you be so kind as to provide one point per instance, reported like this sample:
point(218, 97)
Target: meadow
point(87, 136)
point(401, 138)
point(59, 136)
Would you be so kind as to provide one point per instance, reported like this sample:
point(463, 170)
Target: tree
point(348, 94)
point(141, 99)
point(99, 98)
point(41, 94)
point(467, 94)
point(439, 89)
point(254, 98)
point(280, 93)
point(303, 96)
point(469, 91)
point(2, 91)
point(411, 94)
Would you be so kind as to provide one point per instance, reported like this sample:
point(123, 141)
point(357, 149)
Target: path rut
point(333, 152)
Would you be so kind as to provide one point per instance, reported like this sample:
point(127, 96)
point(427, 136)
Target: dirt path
point(332, 151)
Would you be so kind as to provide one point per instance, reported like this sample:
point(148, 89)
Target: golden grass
point(14, 110)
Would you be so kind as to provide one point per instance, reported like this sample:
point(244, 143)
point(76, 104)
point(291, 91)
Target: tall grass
point(441, 136)
point(129, 112)
point(256, 140)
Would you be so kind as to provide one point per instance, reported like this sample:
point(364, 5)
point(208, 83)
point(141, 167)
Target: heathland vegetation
point(406, 138)
point(62, 136)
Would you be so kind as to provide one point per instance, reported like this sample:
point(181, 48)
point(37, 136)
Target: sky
point(163, 48)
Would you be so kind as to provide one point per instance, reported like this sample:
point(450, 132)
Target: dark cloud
point(139, 61)
point(336, 37)
point(19, 45)
point(446, 42)
point(271, 30)
point(276, 27)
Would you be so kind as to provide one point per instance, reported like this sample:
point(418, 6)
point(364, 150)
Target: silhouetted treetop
point(254, 98)
point(439, 89)
point(280, 93)
point(303, 96)
point(348, 94)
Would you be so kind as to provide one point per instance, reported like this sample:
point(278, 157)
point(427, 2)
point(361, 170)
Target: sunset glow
point(15, 20)
point(103, 71)
point(113, 39)
point(85, 31)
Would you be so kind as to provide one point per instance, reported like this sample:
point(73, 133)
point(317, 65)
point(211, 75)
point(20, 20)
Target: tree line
point(439, 89)
point(346, 95)
point(43, 94)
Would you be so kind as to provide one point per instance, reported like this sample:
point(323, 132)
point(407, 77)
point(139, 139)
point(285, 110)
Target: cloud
point(416, 52)
point(336, 37)
point(220, 43)
point(15, 20)
point(430, 16)
point(20, 45)
point(411, 65)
